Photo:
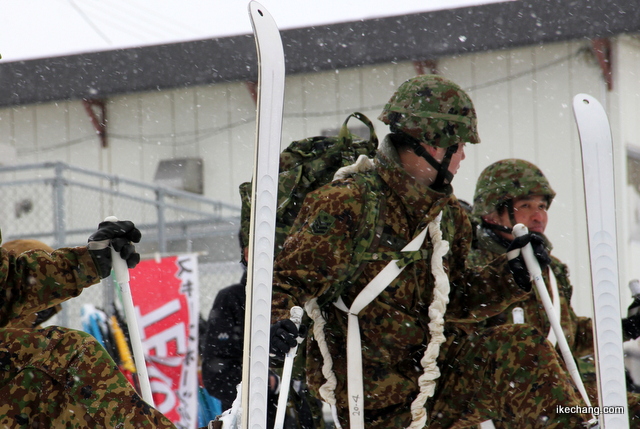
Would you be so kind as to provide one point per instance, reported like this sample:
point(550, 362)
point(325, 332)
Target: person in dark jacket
point(223, 355)
point(224, 340)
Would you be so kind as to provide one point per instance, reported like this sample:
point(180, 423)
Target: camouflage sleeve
point(477, 292)
point(319, 249)
point(581, 327)
point(584, 336)
point(35, 280)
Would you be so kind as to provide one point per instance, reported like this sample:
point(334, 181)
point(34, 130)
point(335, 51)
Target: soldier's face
point(531, 211)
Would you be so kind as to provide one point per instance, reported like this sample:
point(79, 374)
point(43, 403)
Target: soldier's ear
point(436, 152)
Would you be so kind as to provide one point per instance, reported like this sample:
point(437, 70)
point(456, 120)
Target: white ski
point(597, 167)
point(255, 369)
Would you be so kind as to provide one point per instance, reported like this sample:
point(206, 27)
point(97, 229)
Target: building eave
point(412, 37)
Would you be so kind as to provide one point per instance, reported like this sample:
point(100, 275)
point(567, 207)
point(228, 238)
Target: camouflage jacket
point(394, 326)
point(577, 330)
point(36, 280)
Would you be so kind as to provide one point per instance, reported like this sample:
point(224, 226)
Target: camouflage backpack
point(306, 165)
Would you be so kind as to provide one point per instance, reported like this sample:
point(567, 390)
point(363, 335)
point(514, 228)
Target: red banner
point(165, 295)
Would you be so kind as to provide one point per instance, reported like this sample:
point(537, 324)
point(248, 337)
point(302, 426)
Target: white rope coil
point(327, 390)
point(362, 165)
point(437, 310)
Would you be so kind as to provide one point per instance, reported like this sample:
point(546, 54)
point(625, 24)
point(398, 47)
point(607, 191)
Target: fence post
point(160, 206)
point(59, 223)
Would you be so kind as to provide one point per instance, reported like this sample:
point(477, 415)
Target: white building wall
point(523, 97)
point(625, 105)
point(626, 127)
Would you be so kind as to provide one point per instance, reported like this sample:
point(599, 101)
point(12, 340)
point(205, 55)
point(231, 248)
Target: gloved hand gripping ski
point(284, 335)
point(516, 261)
point(120, 235)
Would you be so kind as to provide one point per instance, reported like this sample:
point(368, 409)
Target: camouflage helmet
point(505, 180)
point(433, 110)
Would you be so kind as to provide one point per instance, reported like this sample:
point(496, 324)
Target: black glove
point(120, 235)
point(539, 246)
point(283, 336)
point(516, 261)
point(631, 326)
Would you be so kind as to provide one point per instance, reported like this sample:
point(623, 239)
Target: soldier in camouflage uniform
point(32, 320)
point(57, 377)
point(512, 191)
point(507, 371)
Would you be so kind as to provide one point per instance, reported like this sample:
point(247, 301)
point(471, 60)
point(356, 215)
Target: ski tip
point(584, 101)
point(256, 8)
point(259, 15)
point(585, 104)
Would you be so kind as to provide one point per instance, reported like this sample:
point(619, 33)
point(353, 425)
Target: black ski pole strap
point(491, 227)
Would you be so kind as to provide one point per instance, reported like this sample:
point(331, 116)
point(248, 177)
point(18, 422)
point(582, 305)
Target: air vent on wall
point(185, 174)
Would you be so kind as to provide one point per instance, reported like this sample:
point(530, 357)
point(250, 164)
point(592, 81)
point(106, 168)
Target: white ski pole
point(122, 276)
point(536, 274)
point(285, 381)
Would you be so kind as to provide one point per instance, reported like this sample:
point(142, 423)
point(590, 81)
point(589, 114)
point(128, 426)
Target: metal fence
point(61, 205)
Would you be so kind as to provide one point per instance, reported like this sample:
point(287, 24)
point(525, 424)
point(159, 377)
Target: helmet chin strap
point(511, 211)
point(444, 175)
point(491, 229)
point(496, 227)
point(508, 206)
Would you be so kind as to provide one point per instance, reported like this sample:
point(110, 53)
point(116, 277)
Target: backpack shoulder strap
point(372, 224)
point(368, 235)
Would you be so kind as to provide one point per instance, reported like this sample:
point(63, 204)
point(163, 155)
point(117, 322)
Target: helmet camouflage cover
point(505, 180)
point(433, 110)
